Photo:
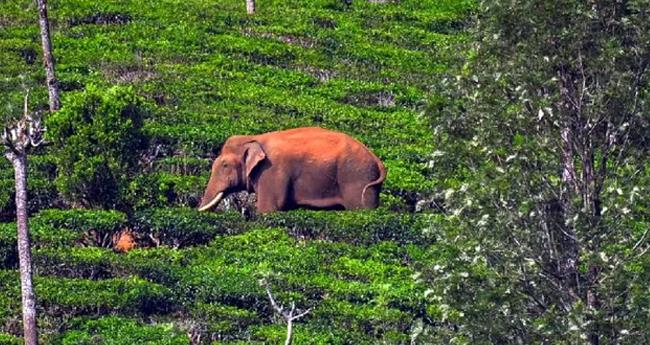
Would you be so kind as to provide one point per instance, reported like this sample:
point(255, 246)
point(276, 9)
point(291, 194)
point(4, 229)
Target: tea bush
point(82, 220)
point(97, 137)
point(177, 227)
point(361, 227)
point(114, 330)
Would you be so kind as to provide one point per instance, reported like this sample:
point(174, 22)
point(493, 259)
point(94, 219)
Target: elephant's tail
point(378, 181)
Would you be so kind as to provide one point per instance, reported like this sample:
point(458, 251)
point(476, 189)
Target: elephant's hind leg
point(352, 197)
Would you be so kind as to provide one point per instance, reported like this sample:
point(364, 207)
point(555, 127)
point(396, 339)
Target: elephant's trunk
point(206, 205)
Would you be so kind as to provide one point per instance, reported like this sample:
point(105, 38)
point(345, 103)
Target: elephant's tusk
point(212, 203)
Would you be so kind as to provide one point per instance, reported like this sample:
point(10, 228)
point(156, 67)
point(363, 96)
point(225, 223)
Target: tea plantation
point(192, 73)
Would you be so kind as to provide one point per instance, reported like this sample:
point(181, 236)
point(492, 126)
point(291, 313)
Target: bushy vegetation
point(97, 139)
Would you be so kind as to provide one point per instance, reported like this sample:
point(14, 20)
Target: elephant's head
point(231, 171)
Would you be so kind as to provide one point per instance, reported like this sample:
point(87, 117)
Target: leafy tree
point(97, 139)
point(542, 147)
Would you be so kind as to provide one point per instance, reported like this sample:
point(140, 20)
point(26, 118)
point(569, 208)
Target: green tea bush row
point(71, 296)
point(365, 290)
point(309, 333)
point(159, 265)
point(359, 227)
point(8, 245)
point(82, 220)
point(41, 193)
point(116, 330)
point(222, 320)
point(41, 237)
point(178, 227)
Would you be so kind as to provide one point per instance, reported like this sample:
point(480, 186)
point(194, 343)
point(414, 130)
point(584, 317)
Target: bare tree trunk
point(24, 249)
point(17, 139)
point(568, 265)
point(250, 6)
point(289, 332)
point(48, 57)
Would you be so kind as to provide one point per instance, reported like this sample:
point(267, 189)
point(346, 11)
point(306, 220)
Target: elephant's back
point(313, 142)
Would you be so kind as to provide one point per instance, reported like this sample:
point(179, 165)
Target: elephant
point(308, 167)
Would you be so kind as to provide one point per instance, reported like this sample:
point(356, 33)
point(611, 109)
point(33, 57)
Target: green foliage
point(527, 129)
point(79, 226)
point(178, 227)
point(7, 339)
point(363, 227)
point(82, 220)
point(162, 189)
point(97, 136)
point(223, 319)
point(113, 330)
point(8, 245)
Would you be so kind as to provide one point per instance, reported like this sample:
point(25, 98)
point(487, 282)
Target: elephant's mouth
point(212, 203)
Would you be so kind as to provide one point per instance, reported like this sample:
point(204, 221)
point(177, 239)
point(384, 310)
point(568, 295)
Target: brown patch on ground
point(323, 75)
point(127, 75)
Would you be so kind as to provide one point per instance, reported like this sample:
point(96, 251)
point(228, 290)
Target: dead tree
point(289, 316)
point(250, 6)
point(17, 139)
point(48, 57)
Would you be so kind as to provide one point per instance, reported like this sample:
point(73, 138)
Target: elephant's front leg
point(272, 193)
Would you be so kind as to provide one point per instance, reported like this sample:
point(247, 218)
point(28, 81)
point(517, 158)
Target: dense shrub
point(114, 330)
point(8, 339)
point(178, 227)
point(81, 220)
point(70, 296)
point(359, 227)
point(8, 245)
point(164, 189)
point(92, 227)
point(41, 236)
point(97, 137)
point(223, 319)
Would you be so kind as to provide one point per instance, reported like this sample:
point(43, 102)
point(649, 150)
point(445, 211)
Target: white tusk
point(212, 203)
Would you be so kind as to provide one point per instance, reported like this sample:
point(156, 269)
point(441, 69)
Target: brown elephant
point(307, 167)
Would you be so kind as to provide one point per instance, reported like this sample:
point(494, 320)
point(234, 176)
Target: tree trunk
point(250, 6)
point(289, 332)
point(24, 249)
point(569, 258)
point(48, 57)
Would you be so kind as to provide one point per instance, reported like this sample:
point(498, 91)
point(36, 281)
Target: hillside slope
point(210, 71)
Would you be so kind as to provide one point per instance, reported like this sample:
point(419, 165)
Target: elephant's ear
point(254, 154)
